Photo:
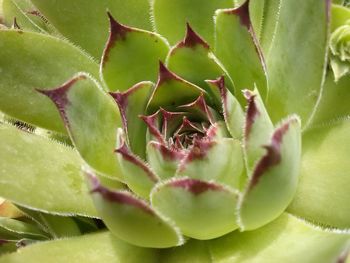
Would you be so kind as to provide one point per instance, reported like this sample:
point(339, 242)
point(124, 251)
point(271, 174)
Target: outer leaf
point(274, 181)
point(286, 239)
point(296, 70)
point(323, 192)
point(92, 119)
point(98, 247)
point(25, 66)
point(237, 48)
point(334, 103)
point(41, 174)
point(170, 17)
point(132, 219)
point(131, 56)
point(86, 23)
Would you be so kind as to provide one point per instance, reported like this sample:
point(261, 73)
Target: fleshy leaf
point(172, 91)
point(97, 247)
point(192, 60)
point(286, 239)
point(323, 191)
point(217, 160)
point(132, 219)
point(7, 209)
point(131, 56)
point(86, 23)
point(230, 107)
point(258, 128)
point(170, 17)
point(92, 119)
point(274, 180)
point(202, 209)
point(132, 103)
point(295, 70)
point(42, 174)
point(25, 66)
point(136, 173)
point(237, 48)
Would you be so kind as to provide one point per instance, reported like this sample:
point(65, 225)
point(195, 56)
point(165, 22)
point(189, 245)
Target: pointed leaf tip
point(252, 111)
point(192, 39)
point(165, 74)
point(117, 30)
point(242, 12)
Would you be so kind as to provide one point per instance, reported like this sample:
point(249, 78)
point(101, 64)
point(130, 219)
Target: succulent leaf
point(188, 202)
point(33, 166)
point(25, 66)
point(273, 183)
point(132, 219)
point(86, 24)
point(170, 17)
point(238, 49)
point(92, 119)
point(193, 60)
point(19, 229)
point(131, 56)
point(323, 191)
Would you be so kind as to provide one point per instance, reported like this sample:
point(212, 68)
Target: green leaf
point(131, 56)
point(170, 17)
point(97, 247)
point(91, 118)
point(20, 229)
point(296, 57)
point(334, 103)
point(132, 219)
point(274, 180)
point(286, 239)
point(323, 192)
point(218, 160)
point(86, 23)
point(237, 48)
point(202, 209)
point(340, 15)
point(192, 60)
point(42, 174)
point(25, 66)
point(172, 91)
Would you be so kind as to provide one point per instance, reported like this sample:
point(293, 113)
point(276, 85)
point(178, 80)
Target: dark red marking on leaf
point(167, 153)
point(130, 157)
point(192, 39)
point(170, 118)
point(328, 10)
point(343, 256)
point(220, 84)
point(211, 132)
point(187, 125)
point(117, 32)
point(272, 156)
point(121, 98)
point(199, 106)
point(252, 112)
point(59, 96)
point(151, 122)
point(3, 241)
point(242, 12)
point(194, 186)
point(165, 75)
point(116, 196)
point(38, 14)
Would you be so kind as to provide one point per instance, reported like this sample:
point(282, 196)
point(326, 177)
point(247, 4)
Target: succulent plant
point(174, 131)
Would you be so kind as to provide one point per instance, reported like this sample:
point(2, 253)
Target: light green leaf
point(286, 240)
point(131, 56)
point(237, 48)
point(132, 219)
point(86, 23)
point(323, 192)
point(201, 209)
point(42, 174)
point(20, 229)
point(170, 17)
point(91, 118)
point(296, 57)
point(25, 66)
point(273, 182)
point(98, 247)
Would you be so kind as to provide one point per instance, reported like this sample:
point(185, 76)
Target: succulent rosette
point(174, 131)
